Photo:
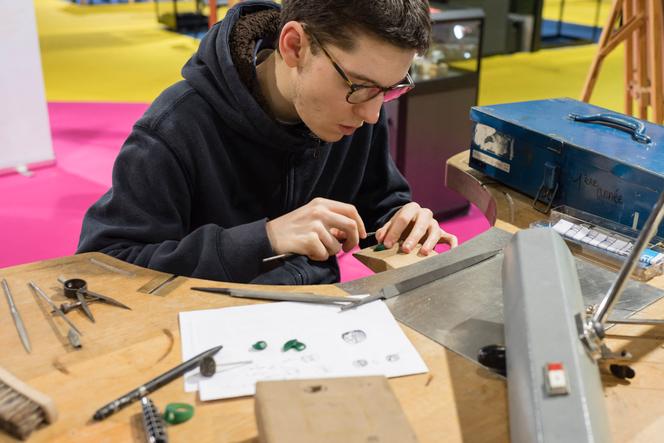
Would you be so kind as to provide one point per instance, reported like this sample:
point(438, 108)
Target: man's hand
point(316, 229)
point(416, 225)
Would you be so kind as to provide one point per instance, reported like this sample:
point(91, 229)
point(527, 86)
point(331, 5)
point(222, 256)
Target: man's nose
point(369, 111)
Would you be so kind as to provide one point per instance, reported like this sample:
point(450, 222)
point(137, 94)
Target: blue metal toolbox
point(566, 152)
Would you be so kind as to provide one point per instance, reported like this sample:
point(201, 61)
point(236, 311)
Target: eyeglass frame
point(355, 87)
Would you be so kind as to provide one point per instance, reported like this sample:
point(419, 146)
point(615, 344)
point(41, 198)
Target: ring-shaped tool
point(176, 413)
point(73, 285)
point(77, 286)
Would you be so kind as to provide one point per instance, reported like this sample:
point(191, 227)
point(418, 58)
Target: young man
point(275, 142)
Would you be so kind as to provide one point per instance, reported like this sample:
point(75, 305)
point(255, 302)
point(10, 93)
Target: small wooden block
point(379, 261)
point(330, 410)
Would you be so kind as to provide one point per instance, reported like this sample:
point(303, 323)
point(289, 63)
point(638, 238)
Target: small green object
point(294, 344)
point(379, 247)
point(259, 345)
point(177, 413)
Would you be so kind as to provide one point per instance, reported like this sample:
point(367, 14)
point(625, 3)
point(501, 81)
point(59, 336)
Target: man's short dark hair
point(402, 23)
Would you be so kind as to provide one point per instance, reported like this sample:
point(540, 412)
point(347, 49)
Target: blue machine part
point(608, 164)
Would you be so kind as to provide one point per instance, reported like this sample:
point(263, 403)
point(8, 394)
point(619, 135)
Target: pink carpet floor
point(40, 216)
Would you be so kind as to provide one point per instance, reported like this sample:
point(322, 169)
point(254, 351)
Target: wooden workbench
point(457, 401)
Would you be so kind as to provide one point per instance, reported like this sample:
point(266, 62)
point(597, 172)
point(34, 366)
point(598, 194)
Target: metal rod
point(48, 300)
point(306, 297)
point(289, 254)
point(648, 231)
point(277, 257)
point(636, 321)
point(66, 308)
point(18, 321)
point(111, 268)
point(84, 306)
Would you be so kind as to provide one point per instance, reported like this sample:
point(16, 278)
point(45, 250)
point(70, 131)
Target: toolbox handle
point(635, 127)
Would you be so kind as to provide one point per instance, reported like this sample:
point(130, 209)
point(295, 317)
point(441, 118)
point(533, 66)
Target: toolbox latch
point(548, 189)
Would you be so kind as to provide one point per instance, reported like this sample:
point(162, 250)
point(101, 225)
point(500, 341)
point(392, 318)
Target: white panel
point(25, 137)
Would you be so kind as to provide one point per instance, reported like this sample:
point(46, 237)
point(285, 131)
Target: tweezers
point(306, 297)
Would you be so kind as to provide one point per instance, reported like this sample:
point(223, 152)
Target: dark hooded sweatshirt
point(206, 166)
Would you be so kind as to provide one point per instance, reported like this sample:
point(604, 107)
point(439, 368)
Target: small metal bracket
point(591, 341)
point(548, 189)
point(609, 356)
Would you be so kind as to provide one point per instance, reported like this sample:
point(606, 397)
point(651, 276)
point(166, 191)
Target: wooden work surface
point(456, 401)
point(636, 412)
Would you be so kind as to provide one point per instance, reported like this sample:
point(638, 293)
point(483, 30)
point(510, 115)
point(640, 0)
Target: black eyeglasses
point(364, 93)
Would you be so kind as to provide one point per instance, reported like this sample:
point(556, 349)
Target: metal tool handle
point(153, 384)
point(305, 297)
point(66, 308)
point(153, 424)
point(8, 294)
point(277, 257)
point(635, 127)
point(18, 321)
point(57, 310)
point(290, 254)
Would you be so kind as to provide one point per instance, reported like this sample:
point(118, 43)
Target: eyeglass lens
point(366, 94)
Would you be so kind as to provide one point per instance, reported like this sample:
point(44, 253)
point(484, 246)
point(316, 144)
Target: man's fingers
point(448, 238)
point(380, 233)
point(435, 233)
point(338, 234)
point(328, 240)
point(322, 244)
point(400, 222)
point(422, 225)
point(338, 222)
point(344, 209)
point(317, 251)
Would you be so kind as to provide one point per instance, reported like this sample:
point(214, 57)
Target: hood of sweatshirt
point(213, 73)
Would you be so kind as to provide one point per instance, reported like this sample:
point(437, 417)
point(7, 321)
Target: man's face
point(320, 91)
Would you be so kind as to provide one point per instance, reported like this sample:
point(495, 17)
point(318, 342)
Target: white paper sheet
point(384, 350)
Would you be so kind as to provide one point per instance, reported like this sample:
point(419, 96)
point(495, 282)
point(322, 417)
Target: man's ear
point(293, 43)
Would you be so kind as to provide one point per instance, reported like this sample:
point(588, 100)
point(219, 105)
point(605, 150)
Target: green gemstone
point(259, 345)
point(294, 344)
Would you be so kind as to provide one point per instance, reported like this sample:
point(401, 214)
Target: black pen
point(153, 385)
